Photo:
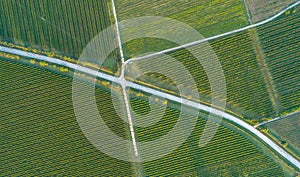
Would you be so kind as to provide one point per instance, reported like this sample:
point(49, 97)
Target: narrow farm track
point(199, 106)
point(277, 118)
point(117, 30)
point(215, 37)
point(138, 167)
point(125, 83)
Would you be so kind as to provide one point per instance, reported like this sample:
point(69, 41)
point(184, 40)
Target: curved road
point(199, 106)
point(161, 94)
point(217, 36)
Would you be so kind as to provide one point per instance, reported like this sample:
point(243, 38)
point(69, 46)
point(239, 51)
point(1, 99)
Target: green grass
point(280, 42)
point(208, 17)
point(40, 135)
point(247, 94)
point(62, 27)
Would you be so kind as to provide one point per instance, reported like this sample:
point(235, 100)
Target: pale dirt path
point(199, 106)
point(214, 37)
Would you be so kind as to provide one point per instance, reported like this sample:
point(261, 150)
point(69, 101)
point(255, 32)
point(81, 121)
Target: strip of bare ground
point(261, 58)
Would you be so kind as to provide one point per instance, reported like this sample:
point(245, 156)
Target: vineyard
point(41, 135)
point(287, 131)
point(208, 17)
point(280, 42)
point(246, 90)
point(228, 154)
point(39, 132)
point(262, 9)
point(60, 27)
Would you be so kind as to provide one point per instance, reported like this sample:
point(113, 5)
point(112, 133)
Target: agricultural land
point(40, 134)
point(58, 28)
point(286, 131)
point(260, 10)
point(241, 70)
point(280, 43)
point(204, 16)
point(53, 140)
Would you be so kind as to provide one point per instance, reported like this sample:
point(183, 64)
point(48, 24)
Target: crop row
point(61, 27)
point(208, 17)
point(261, 10)
point(235, 168)
point(246, 91)
point(225, 147)
point(287, 129)
point(280, 41)
point(40, 134)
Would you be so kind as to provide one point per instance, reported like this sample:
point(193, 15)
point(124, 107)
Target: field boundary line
point(117, 30)
point(215, 37)
point(121, 80)
point(265, 71)
point(247, 11)
point(199, 106)
point(277, 118)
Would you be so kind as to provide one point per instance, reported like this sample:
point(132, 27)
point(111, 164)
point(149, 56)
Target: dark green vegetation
point(63, 27)
point(40, 135)
point(39, 132)
point(280, 42)
point(244, 81)
point(287, 131)
point(228, 154)
point(246, 90)
point(208, 17)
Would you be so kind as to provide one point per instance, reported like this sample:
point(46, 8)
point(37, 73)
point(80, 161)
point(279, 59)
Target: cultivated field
point(280, 42)
point(60, 27)
point(39, 132)
point(208, 17)
point(40, 135)
point(228, 153)
point(247, 94)
point(263, 9)
point(287, 131)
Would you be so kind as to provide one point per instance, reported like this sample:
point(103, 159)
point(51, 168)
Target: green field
point(39, 132)
point(247, 94)
point(63, 27)
point(280, 42)
point(228, 154)
point(40, 135)
point(287, 131)
point(208, 17)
